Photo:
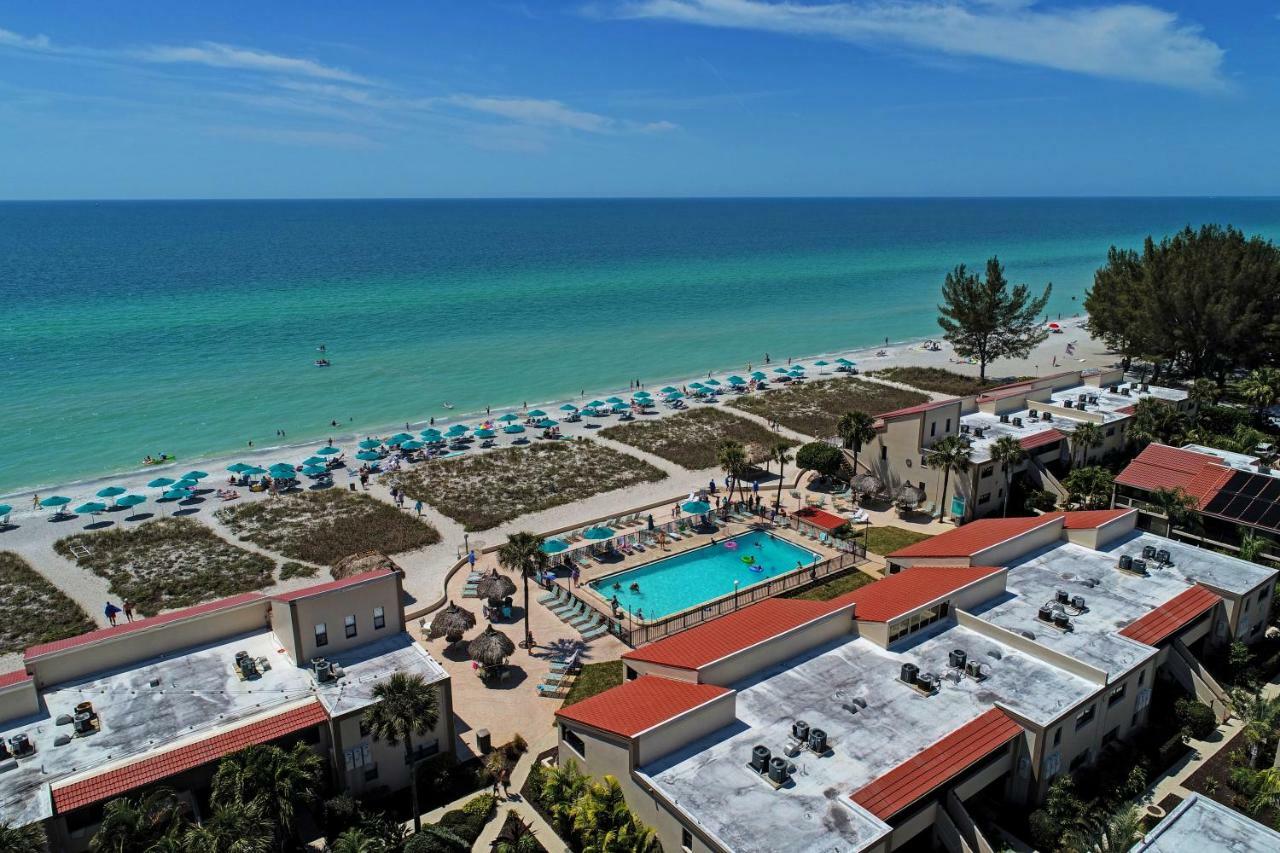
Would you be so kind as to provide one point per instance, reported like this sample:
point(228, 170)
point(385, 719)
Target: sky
point(503, 98)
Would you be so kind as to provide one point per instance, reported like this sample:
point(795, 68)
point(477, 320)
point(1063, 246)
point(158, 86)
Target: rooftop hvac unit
point(1062, 597)
point(973, 668)
point(1062, 620)
point(1082, 397)
point(1126, 562)
point(817, 741)
point(1048, 416)
point(1045, 614)
point(800, 730)
point(979, 431)
point(246, 665)
point(909, 673)
point(324, 670)
point(956, 658)
point(1017, 422)
point(83, 722)
point(1140, 566)
point(1068, 404)
point(1077, 601)
point(1148, 552)
point(1035, 413)
point(778, 774)
point(21, 745)
point(964, 429)
point(1146, 387)
point(1004, 419)
point(1124, 392)
point(760, 759)
point(1113, 388)
point(1163, 556)
point(928, 682)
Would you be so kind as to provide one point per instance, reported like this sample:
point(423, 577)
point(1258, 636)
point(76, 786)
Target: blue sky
point(638, 98)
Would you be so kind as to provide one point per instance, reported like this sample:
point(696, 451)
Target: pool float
point(731, 545)
point(756, 568)
point(749, 560)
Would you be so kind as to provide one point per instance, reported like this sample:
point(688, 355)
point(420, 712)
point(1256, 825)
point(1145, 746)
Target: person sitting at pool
point(713, 540)
point(635, 587)
point(617, 585)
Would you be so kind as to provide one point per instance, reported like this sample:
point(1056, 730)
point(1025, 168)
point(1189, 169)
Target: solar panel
point(1237, 507)
point(1271, 488)
point(1271, 519)
point(1219, 502)
point(1248, 484)
point(1253, 514)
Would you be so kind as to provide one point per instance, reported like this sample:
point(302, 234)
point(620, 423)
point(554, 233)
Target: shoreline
point(897, 354)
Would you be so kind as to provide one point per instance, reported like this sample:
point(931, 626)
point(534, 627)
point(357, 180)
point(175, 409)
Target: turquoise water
point(688, 579)
point(191, 327)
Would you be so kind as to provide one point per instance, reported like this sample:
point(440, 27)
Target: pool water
point(686, 580)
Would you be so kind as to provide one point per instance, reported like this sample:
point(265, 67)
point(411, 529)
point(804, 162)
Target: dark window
point(984, 498)
point(1111, 735)
point(1080, 760)
point(948, 429)
point(349, 623)
point(371, 773)
point(573, 741)
point(686, 839)
point(1057, 736)
point(1116, 695)
point(379, 619)
point(1111, 431)
point(986, 472)
point(1133, 721)
point(1084, 718)
point(933, 429)
point(632, 675)
point(1142, 676)
point(884, 453)
point(364, 729)
point(322, 635)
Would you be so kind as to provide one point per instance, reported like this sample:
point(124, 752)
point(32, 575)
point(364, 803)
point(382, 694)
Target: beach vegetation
point(1203, 301)
point(167, 563)
point(820, 457)
point(594, 678)
point(1089, 487)
point(856, 429)
point(691, 438)
point(814, 408)
point(34, 610)
point(948, 455)
point(985, 319)
point(293, 569)
point(23, 839)
point(486, 490)
point(940, 380)
point(324, 526)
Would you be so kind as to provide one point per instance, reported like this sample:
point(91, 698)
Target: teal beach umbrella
point(695, 507)
point(92, 507)
point(131, 500)
point(239, 468)
point(568, 407)
point(194, 475)
point(509, 417)
point(315, 470)
point(176, 494)
point(737, 380)
point(614, 400)
point(537, 413)
point(328, 450)
point(111, 491)
point(312, 460)
point(821, 363)
point(642, 394)
point(554, 546)
point(759, 376)
point(255, 471)
point(399, 438)
point(412, 444)
point(5, 509)
point(599, 533)
point(484, 433)
point(594, 404)
point(715, 383)
point(669, 390)
point(160, 483)
point(545, 423)
point(370, 444)
point(56, 500)
point(674, 395)
point(184, 483)
point(513, 429)
point(368, 456)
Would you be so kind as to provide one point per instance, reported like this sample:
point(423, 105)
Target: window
point(1052, 764)
point(349, 623)
point(686, 839)
point(1142, 676)
point(917, 621)
point(379, 619)
point(1262, 595)
point(1057, 736)
point(984, 498)
point(1080, 760)
point(884, 453)
point(322, 635)
point(1110, 736)
point(371, 774)
point(986, 472)
point(948, 429)
point(1111, 431)
point(1084, 718)
point(1116, 695)
point(573, 741)
point(933, 429)
point(1144, 699)
point(364, 728)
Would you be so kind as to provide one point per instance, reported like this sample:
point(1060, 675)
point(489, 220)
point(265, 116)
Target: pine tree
point(987, 320)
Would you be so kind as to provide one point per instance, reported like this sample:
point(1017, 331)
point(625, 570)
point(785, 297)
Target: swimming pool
point(686, 580)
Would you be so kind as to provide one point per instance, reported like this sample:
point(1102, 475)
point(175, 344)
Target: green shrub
point(340, 814)
point(34, 610)
point(1039, 499)
point(464, 824)
point(482, 806)
point(436, 839)
point(1196, 718)
point(294, 569)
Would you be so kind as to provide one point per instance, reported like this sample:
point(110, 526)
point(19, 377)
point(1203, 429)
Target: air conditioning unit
point(1164, 557)
point(1048, 416)
point(1148, 552)
point(1126, 562)
point(1034, 414)
point(1004, 419)
point(1068, 404)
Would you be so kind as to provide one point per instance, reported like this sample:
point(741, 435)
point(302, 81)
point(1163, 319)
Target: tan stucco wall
point(19, 700)
point(676, 733)
point(1006, 552)
point(331, 609)
point(778, 649)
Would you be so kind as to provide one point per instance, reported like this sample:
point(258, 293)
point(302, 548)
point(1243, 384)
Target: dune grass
point(942, 381)
point(814, 408)
point(168, 563)
point(324, 526)
point(690, 439)
point(32, 610)
point(488, 489)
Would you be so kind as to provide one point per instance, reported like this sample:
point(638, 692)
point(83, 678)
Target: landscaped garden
point(167, 563)
point(814, 408)
point(34, 610)
point(886, 540)
point(594, 678)
point(587, 814)
point(692, 438)
point(324, 526)
point(940, 380)
point(833, 588)
point(486, 490)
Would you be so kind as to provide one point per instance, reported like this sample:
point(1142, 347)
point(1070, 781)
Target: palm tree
point(856, 428)
point(129, 824)
point(1176, 505)
point(1267, 793)
point(1261, 717)
point(1156, 420)
point(1084, 438)
point(523, 553)
point(23, 839)
point(1116, 834)
point(732, 459)
point(272, 779)
point(1007, 452)
point(356, 840)
point(1203, 392)
point(517, 836)
point(232, 828)
point(1261, 388)
point(406, 706)
point(561, 788)
point(1251, 545)
point(601, 809)
point(781, 454)
point(949, 454)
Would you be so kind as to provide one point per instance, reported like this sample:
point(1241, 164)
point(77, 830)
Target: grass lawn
point(832, 588)
point(940, 380)
point(886, 540)
point(32, 610)
point(488, 489)
point(168, 563)
point(814, 408)
point(594, 678)
point(690, 439)
point(324, 526)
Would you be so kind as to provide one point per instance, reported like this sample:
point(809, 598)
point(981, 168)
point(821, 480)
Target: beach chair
point(566, 665)
point(575, 612)
point(594, 633)
point(586, 620)
point(551, 691)
point(551, 597)
point(561, 610)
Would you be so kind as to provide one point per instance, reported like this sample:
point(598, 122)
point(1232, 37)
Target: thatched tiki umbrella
point(867, 484)
point(909, 497)
point(451, 623)
point(491, 648)
point(495, 587)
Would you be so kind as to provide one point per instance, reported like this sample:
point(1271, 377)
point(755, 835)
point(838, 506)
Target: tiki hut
point(451, 623)
point(867, 485)
point(908, 496)
point(495, 587)
point(365, 561)
point(491, 648)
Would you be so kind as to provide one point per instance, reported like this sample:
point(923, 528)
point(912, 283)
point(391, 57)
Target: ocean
point(191, 328)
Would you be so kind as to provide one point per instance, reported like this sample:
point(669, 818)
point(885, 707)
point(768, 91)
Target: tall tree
point(23, 839)
point(1203, 392)
point(948, 454)
point(523, 553)
point(1261, 389)
point(732, 458)
point(1156, 420)
point(820, 457)
point(275, 779)
point(1178, 506)
point(1090, 486)
point(130, 824)
point(1007, 451)
point(232, 828)
point(856, 428)
point(1085, 437)
point(780, 453)
point(986, 320)
point(407, 705)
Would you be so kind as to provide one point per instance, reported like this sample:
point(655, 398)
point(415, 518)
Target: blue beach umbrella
point(238, 468)
point(695, 384)
point(568, 407)
point(781, 370)
point(821, 363)
point(328, 450)
point(844, 362)
point(614, 400)
point(369, 444)
point(554, 546)
point(430, 434)
point(509, 417)
point(368, 456)
point(513, 429)
point(56, 500)
point(255, 471)
point(160, 483)
point(131, 500)
point(644, 395)
point(737, 380)
point(715, 383)
point(184, 483)
point(412, 444)
point(674, 395)
point(545, 423)
point(176, 494)
point(595, 404)
point(599, 533)
point(759, 376)
point(669, 390)
point(315, 470)
point(5, 509)
point(620, 407)
point(311, 461)
point(399, 438)
point(537, 413)
point(111, 491)
point(484, 433)
point(92, 507)
point(194, 475)
point(695, 507)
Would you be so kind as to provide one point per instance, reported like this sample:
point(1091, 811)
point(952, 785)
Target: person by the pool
point(635, 586)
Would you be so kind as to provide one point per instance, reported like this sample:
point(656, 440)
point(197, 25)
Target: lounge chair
point(586, 619)
point(562, 610)
point(566, 665)
point(551, 691)
point(576, 611)
point(551, 597)
point(591, 623)
point(600, 631)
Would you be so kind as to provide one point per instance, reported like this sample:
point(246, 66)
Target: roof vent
point(760, 759)
point(1091, 582)
point(62, 740)
point(995, 653)
point(956, 659)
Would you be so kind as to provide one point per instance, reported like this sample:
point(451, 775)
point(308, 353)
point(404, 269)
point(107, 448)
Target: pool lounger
point(550, 690)
point(594, 633)
point(563, 610)
point(584, 620)
point(550, 597)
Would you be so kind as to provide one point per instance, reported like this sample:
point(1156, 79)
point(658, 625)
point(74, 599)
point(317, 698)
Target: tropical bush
point(1196, 718)
point(691, 438)
point(815, 408)
point(587, 815)
point(820, 457)
point(32, 610)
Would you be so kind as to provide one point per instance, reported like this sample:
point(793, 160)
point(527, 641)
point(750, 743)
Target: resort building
point(996, 657)
point(161, 700)
point(1231, 493)
point(1040, 413)
point(1201, 825)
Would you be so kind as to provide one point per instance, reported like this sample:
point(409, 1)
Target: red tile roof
point(899, 594)
point(821, 518)
point(938, 764)
point(973, 537)
point(1171, 616)
point(711, 641)
point(18, 676)
point(354, 580)
point(157, 766)
point(637, 706)
point(1040, 439)
point(1159, 466)
point(141, 624)
point(915, 410)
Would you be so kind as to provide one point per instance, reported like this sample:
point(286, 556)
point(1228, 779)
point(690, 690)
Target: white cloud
point(303, 138)
point(550, 113)
point(9, 38)
point(1127, 41)
point(218, 55)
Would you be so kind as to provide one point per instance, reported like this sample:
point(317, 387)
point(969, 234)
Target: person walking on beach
point(35, 500)
point(417, 507)
point(128, 610)
point(110, 612)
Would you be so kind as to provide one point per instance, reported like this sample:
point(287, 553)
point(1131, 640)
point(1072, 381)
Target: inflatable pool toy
point(757, 568)
point(749, 560)
point(731, 545)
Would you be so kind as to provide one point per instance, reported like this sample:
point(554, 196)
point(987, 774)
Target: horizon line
point(481, 198)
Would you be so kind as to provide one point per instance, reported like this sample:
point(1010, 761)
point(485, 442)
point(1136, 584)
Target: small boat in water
point(322, 362)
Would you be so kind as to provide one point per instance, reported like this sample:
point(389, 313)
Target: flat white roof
point(709, 779)
point(1201, 825)
point(196, 691)
point(1239, 461)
